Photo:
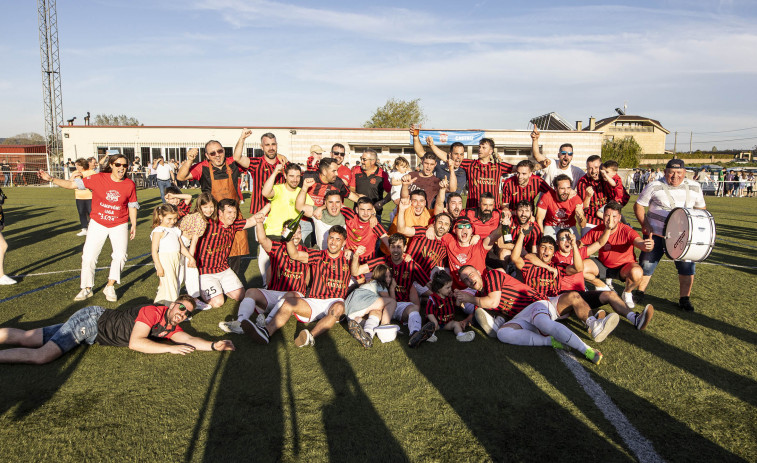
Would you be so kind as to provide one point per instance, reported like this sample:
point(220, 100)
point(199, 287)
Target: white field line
point(638, 444)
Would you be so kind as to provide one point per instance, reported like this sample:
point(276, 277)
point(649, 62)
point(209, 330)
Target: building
point(149, 142)
point(648, 133)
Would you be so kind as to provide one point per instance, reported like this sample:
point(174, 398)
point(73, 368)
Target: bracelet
point(213, 346)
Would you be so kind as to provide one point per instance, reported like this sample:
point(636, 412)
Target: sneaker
point(359, 333)
point(110, 293)
point(685, 304)
point(259, 335)
point(421, 335)
point(555, 343)
point(468, 336)
point(6, 280)
point(260, 320)
point(85, 293)
point(233, 326)
point(202, 305)
point(608, 282)
point(599, 329)
point(638, 296)
point(643, 318)
point(83, 232)
point(305, 338)
point(628, 299)
point(486, 322)
point(594, 356)
point(432, 338)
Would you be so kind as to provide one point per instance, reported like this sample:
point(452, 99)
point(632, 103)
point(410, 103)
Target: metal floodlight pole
point(51, 87)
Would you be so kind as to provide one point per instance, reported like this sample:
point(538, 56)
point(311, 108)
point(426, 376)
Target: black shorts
point(592, 298)
point(605, 273)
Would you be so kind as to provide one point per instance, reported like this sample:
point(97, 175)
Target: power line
point(734, 130)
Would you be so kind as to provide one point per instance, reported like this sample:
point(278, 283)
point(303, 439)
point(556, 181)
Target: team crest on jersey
point(112, 195)
point(373, 181)
point(462, 258)
point(561, 213)
point(608, 247)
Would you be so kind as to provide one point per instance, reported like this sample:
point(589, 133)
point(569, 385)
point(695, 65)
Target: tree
point(26, 138)
point(714, 149)
point(397, 114)
point(625, 151)
point(110, 119)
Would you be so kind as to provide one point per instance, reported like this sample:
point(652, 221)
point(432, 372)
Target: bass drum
point(689, 234)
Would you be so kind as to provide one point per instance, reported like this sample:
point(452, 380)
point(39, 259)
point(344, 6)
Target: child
point(616, 190)
point(192, 228)
point(441, 308)
point(181, 200)
point(166, 248)
point(401, 168)
point(370, 299)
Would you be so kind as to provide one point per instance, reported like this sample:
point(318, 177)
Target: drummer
point(662, 196)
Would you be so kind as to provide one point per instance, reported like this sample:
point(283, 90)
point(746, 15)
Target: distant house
point(648, 133)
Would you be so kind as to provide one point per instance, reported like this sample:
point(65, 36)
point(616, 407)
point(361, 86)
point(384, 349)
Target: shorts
point(80, 327)
point(592, 298)
point(318, 308)
point(605, 272)
point(400, 310)
point(649, 260)
point(525, 318)
point(272, 297)
point(215, 284)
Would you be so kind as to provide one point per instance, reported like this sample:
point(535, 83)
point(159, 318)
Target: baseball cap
point(462, 221)
point(316, 149)
point(675, 164)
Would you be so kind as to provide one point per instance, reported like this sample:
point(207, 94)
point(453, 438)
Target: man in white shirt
point(662, 196)
point(163, 173)
point(561, 165)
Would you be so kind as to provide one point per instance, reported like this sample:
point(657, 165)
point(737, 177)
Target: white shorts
point(318, 308)
point(525, 318)
point(215, 284)
point(401, 306)
point(272, 297)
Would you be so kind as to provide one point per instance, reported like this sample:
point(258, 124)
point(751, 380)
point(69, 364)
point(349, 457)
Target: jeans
point(162, 185)
point(84, 206)
point(80, 327)
point(649, 260)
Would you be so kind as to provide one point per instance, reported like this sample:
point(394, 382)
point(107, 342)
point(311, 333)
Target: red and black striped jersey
point(261, 169)
point(532, 237)
point(513, 193)
point(484, 178)
point(598, 200)
point(405, 273)
point(441, 308)
point(319, 190)
point(329, 277)
point(313, 164)
point(361, 233)
point(425, 252)
point(514, 297)
point(214, 246)
point(183, 209)
point(287, 274)
point(541, 279)
point(481, 228)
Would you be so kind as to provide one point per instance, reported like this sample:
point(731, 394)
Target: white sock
point(462, 333)
point(522, 337)
point(631, 317)
point(246, 309)
point(559, 332)
point(371, 323)
point(414, 321)
point(275, 309)
point(590, 319)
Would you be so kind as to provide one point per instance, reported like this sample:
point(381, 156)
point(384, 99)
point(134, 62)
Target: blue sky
point(486, 64)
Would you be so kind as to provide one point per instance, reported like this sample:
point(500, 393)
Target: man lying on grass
point(140, 328)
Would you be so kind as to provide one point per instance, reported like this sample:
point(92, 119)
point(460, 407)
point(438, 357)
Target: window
point(129, 153)
point(145, 155)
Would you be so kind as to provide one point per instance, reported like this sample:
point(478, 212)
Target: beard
point(484, 216)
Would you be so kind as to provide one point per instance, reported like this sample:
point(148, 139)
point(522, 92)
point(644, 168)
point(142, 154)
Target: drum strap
point(672, 204)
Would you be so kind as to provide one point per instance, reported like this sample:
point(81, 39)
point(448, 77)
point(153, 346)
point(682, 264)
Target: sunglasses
point(566, 153)
point(187, 312)
point(219, 152)
point(335, 153)
point(564, 238)
point(464, 225)
point(120, 164)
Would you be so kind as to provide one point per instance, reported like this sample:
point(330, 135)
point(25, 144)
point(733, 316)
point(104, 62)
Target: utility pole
point(51, 89)
point(691, 135)
point(675, 144)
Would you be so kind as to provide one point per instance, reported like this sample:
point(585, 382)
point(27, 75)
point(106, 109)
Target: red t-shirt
point(155, 317)
point(360, 233)
point(345, 173)
point(480, 228)
point(110, 200)
point(618, 192)
point(573, 282)
point(459, 256)
point(619, 248)
point(561, 214)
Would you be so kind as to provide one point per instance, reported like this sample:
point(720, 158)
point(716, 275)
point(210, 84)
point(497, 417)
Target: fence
point(20, 169)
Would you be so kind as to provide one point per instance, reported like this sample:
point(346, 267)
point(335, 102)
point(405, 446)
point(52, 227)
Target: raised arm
point(68, 184)
point(515, 257)
point(407, 180)
point(296, 254)
point(440, 153)
point(417, 145)
point(355, 267)
point(535, 151)
point(270, 181)
point(578, 261)
point(496, 234)
point(439, 205)
point(263, 239)
point(239, 156)
point(299, 202)
point(597, 245)
point(183, 173)
point(402, 227)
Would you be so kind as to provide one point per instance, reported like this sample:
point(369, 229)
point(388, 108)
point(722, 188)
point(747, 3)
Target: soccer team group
point(514, 254)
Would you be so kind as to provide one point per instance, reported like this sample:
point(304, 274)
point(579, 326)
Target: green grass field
point(687, 384)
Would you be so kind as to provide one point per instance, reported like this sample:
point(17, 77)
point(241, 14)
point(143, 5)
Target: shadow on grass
point(355, 430)
point(498, 402)
point(76, 250)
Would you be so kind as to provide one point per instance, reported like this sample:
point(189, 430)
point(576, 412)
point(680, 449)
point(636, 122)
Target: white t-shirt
point(396, 175)
point(170, 240)
point(553, 170)
point(688, 194)
point(163, 172)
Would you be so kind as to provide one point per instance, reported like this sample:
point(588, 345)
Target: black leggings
point(84, 206)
